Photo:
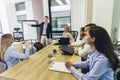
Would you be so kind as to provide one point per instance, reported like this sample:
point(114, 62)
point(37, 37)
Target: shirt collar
point(95, 54)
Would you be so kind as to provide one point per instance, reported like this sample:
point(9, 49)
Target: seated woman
point(9, 54)
point(81, 41)
point(84, 49)
point(67, 34)
point(103, 60)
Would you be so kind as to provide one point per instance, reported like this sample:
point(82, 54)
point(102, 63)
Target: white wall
point(11, 15)
point(38, 13)
point(102, 13)
point(37, 6)
point(45, 8)
point(78, 14)
point(29, 10)
point(8, 14)
point(3, 17)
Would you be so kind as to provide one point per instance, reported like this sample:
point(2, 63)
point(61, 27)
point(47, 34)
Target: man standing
point(45, 31)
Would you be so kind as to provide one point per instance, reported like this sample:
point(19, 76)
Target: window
point(20, 6)
point(20, 18)
point(59, 15)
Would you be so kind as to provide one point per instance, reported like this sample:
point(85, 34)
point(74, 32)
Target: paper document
point(59, 66)
point(5, 78)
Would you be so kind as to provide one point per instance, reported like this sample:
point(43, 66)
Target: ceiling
point(56, 3)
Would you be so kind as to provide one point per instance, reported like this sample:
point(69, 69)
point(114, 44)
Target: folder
point(60, 67)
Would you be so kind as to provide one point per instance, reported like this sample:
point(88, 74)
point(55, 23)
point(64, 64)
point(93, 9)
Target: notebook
point(60, 67)
point(67, 50)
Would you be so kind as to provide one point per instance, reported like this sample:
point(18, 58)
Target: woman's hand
point(68, 64)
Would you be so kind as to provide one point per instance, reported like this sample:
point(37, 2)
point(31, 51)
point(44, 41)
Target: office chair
point(74, 34)
point(3, 66)
point(18, 36)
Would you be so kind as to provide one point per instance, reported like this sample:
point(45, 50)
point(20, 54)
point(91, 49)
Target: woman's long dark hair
point(82, 36)
point(104, 45)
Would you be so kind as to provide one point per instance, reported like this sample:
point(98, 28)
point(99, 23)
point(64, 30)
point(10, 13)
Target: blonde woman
point(67, 34)
point(8, 53)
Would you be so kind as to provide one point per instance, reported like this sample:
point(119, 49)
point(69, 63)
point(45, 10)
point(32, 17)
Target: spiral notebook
point(60, 67)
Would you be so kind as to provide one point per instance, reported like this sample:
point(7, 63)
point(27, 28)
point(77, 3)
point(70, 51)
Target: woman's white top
point(79, 42)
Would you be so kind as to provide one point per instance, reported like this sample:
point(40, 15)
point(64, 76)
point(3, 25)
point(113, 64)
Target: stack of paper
point(59, 66)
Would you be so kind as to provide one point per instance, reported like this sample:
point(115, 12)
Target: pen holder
point(54, 51)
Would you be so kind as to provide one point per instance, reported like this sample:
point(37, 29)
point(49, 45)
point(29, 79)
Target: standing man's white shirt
point(44, 29)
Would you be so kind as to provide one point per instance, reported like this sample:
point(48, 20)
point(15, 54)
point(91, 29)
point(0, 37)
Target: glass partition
point(59, 16)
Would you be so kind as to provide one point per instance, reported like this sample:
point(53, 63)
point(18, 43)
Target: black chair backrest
point(74, 34)
point(18, 36)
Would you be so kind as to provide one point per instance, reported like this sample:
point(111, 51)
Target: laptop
point(67, 50)
point(63, 41)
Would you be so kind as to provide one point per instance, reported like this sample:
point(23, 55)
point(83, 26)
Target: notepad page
point(59, 66)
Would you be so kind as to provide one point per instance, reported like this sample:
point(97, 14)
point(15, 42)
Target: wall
point(11, 15)
point(8, 14)
point(38, 15)
point(38, 10)
point(29, 10)
point(102, 13)
point(45, 8)
point(3, 17)
point(78, 14)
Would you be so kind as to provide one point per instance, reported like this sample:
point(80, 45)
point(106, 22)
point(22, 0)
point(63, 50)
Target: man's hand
point(68, 64)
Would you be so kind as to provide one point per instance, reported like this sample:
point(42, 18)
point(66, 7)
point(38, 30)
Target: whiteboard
point(28, 31)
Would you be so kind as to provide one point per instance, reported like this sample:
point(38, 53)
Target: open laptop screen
point(64, 41)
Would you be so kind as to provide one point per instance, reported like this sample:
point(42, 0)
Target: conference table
point(36, 67)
